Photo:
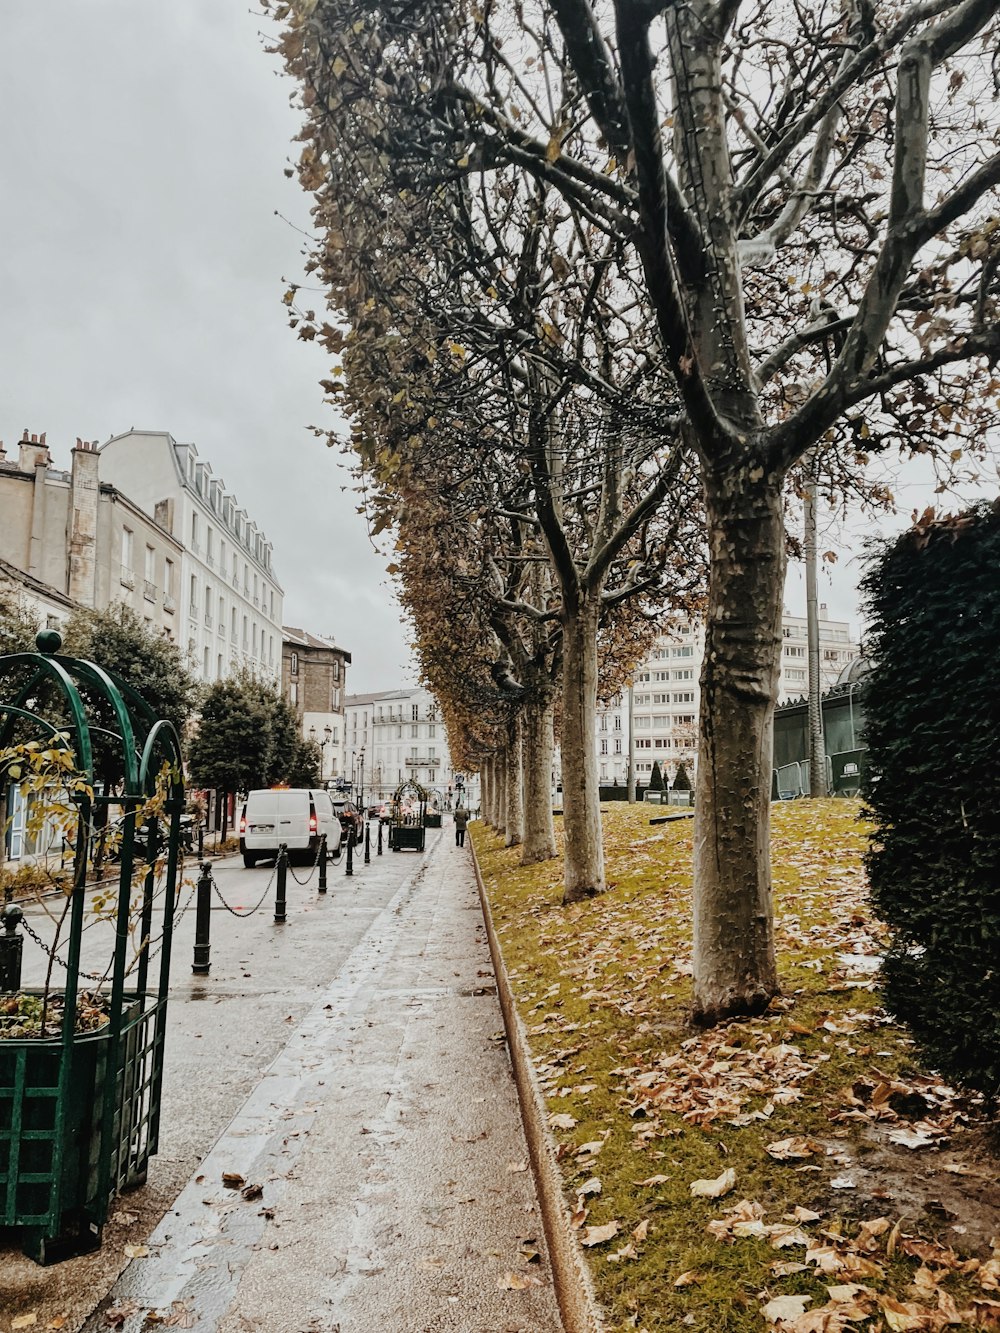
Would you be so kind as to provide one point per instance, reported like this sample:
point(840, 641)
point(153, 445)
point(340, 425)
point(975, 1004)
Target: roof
point(34, 584)
point(301, 638)
point(356, 700)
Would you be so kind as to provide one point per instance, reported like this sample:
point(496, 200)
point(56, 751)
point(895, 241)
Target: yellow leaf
point(554, 148)
point(599, 1235)
point(339, 67)
point(24, 1320)
point(715, 1189)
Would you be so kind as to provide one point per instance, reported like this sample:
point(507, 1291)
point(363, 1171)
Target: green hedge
point(933, 785)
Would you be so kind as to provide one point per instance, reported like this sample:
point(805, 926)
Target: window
point(618, 722)
point(683, 697)
point(796, 675)
point(683, 652)
point(687, 673)
point(208, 545)
point(168, 578)
point(233, 624)
point(604, 747)
point(414, 732)
point(432, 732)
point(794, 652)
point(207, 668)
point(336, 676)
point(127, 549)
point(641, 722)
point(194, 532)
point(618, 745)
point(416, 711)
point(604, 721)
point(222, 615)
point(194, 595)
point(218, 667)
point(295, 664)
point(293, 692)
point(150, 565)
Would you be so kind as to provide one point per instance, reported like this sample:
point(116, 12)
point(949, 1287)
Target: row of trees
point(608, 284)
point(246, 735)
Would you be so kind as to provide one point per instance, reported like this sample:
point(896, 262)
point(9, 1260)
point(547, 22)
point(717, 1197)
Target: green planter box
point(432, 821)
point(59, 1169)
point(406, 837)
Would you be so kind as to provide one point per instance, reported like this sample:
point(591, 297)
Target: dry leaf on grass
point(640, 1232)
point(794, 1148)
point(689, 1279)
point(785, 1309)
point(652, 1180)
point(598, 1235)
point(562, 1120)
point(715, 1189)
point(24, 1320)
point(589, 1187)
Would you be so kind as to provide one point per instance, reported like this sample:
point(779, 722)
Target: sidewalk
point(386, 1145)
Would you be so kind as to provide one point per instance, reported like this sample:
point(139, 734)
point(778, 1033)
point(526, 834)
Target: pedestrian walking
point(461, 820)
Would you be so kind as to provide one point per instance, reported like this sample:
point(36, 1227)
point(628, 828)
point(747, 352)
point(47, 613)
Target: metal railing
point(149, 590)
point(127, 577)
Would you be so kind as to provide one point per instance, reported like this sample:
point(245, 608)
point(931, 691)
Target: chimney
point(163, 513)
point(33, 452)
point(82, 523)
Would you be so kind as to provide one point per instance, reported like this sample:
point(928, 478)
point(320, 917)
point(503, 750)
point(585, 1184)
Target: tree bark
point(514, 829)
point(500, 796)
point(486, 790)
point(536, 757)
point(734, 963)
point(584, 850)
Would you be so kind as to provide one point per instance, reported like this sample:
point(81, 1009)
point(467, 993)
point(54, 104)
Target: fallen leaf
point(903, 1318)
point(640, 1232)
point(794, 1148)
point(562, 1120)
point(57, 1321)
point(653, 1180)
point(590, 1149)
point(430, 1263)
point(589, 1187)
point(842, 1183)
point(232, 1180)
point(690, 1278)
point(598, 1235)
point(136, 1251)
point(24, 1320)
point(913, 1138)
point(626, 1252)
point(252, 1192)
point(784, 1309)
point(512, 1281)
point(715, 1189)
point(514, 1167)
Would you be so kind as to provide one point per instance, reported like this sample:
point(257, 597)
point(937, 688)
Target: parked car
point(381, 812)
point(295, 816)
point(350, 817)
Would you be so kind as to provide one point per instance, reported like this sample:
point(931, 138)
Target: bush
point(655, 777)
point(681, 780)
point(933, 785)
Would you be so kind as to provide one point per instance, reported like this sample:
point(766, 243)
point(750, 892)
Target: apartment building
point(398, 735)
point(313, 680)
point(665, 695)
point(75, 532)
point(227, 596)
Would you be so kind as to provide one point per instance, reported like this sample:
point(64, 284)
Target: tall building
point(398, 735)
point(314, 681)
point(227, 595)
point(665, 695)
point(80, 535)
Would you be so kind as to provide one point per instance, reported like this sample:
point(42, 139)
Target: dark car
point(350, 817)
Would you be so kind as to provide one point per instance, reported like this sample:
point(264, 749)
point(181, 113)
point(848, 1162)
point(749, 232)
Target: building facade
point(665, 696)
point(80, 535)
point(227, 596)
point(398, 735)
point(314, 681)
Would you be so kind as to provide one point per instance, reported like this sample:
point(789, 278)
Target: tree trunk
point(584, 853)
point(500, 794)
point(734, 965)
point(514, 830)
point(536, 757)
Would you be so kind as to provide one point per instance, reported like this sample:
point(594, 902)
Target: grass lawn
point(799, 1171)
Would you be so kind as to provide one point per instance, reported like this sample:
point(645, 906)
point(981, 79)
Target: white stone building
point(227, 596)
point(397, 735)
point(665, 696)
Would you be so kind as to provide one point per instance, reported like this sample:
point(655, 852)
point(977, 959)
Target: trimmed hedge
point(933, 785)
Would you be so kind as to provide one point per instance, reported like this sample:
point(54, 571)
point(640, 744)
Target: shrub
point(655, 777)
point(681, 780)
point(933, 785)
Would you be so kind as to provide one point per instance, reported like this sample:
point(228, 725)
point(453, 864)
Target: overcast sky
point(143, 150)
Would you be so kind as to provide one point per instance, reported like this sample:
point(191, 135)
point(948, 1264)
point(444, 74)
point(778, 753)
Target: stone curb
point(571, 1278)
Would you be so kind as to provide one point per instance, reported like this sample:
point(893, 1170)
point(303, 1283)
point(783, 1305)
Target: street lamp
point(361, 780)
point(327, 737)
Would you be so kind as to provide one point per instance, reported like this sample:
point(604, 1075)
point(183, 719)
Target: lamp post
point(327, 737)
point(361, 780)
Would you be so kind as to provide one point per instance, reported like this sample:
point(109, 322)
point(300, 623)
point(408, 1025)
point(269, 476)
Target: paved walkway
point(384, 1168)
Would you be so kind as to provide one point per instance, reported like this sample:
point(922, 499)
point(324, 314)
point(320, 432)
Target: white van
point(295, 816)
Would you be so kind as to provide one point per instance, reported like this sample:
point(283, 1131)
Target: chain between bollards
point(322, 864)
point(368, 842)
point(279, 897)
point(203, 921)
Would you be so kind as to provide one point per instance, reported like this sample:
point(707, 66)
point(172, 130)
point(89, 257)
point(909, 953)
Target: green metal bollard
point(279, 899)
point(322, 864)
point(11, 947)
point(350, 851)
point(368, 843)
point(203, 921)
point(379, 848)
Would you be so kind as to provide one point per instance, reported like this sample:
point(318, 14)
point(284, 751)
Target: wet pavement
point(347, 1072)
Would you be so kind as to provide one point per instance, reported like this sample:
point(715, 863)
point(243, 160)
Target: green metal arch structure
point(79, 1113)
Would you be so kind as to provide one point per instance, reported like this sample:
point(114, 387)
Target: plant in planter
point(81, 1067)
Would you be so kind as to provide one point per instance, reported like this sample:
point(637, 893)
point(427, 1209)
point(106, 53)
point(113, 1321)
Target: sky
point(142, 265)
point(141, 274)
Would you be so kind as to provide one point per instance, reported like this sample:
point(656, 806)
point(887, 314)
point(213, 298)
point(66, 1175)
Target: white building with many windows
point(398, 735)
point(665, 695)
point(228, 598)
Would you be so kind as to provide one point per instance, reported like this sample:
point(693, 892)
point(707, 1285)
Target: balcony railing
point(193, 611)
point(210, 561)
point(209, 622)
point(168, 602)
point(149, 590)
point(127, 577)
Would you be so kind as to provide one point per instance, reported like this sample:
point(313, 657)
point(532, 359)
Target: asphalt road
point(349, 1062)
